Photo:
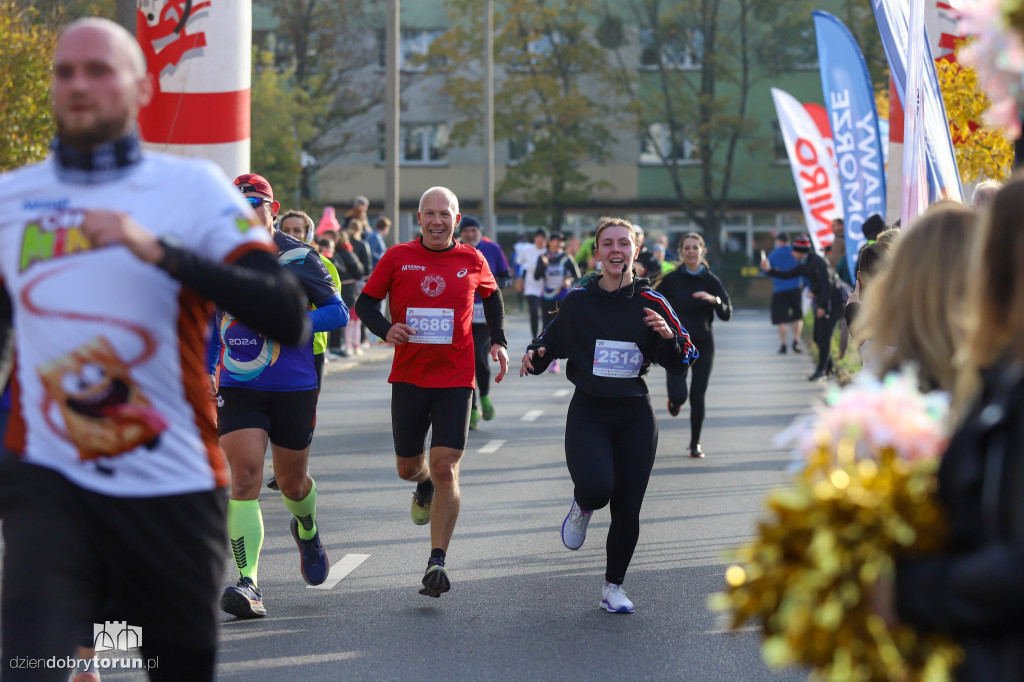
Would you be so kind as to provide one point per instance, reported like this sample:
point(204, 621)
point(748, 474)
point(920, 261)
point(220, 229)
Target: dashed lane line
point(492, 446)
point(531, 415)
point(339, 570)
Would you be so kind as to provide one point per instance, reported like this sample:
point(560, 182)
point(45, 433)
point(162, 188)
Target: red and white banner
point(199, 53)
point(941, 20)
point(814, 168)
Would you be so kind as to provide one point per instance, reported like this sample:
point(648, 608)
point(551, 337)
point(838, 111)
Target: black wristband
point(171, 258)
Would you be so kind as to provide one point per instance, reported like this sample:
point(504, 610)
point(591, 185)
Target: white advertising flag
point(814, 169)
point(915, 178)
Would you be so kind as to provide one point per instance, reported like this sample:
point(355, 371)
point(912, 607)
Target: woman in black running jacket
point(697, 295)
point(611, 329)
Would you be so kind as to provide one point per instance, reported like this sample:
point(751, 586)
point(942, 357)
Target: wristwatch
point(718, 300)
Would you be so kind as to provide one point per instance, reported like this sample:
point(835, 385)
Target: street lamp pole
point(391, 124)
point(126, 14)
point(490, 226)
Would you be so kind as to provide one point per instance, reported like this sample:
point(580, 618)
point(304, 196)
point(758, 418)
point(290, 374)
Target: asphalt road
point(522, 606)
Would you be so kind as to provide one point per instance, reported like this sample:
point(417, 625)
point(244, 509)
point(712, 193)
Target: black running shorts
point(74, 558)
point(442, 411)
point(288, 417)
point(787, 306)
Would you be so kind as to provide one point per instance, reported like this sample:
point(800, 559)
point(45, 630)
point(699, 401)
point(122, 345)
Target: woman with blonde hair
point(972, 589)
point(913, 311)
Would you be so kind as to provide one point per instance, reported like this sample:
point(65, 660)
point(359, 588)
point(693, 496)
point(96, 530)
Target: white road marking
point(562, 392)
point(492, 446)
point(531, 415)
point(339, 570)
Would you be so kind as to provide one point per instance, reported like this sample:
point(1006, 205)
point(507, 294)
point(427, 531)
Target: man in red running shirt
point(430, 283)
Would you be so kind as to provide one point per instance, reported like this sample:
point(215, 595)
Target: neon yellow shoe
point(421, 507)
point(474, 419)
point(487, 406)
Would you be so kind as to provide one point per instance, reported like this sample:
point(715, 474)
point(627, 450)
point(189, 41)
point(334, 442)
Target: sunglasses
point(256, 202)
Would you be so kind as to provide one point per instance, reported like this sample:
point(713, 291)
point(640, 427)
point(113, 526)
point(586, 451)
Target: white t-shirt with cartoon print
point(112, 390)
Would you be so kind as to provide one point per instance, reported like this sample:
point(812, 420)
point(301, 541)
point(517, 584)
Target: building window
point(657, 146)
point(418, 143)
point(682, 49)
point(519, 148)
point(413, 49)
point(538, 51)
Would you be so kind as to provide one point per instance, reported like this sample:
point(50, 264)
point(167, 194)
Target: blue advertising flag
point(850, 101)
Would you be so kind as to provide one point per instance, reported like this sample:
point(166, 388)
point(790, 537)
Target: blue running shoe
point(243, 600)
point(314, 563)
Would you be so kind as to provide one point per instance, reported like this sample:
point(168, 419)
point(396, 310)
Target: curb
point(377, 353)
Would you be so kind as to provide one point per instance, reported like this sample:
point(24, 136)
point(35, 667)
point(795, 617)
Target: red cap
point(802, 243)
point(250, 182)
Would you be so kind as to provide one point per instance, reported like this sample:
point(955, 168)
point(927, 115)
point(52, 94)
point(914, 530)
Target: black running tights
point(482, 351)
point(533, 303)
point(609, 449)
point(823, 329)
point(700, 374)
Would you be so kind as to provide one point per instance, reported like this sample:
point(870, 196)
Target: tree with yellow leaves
point(28, 31)
point(981, 152)
point(25, 50)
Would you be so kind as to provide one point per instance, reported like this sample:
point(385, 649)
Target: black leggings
point(823, 329)
point(482, 351)
point(609, 449)
point(550, 309)
point(699, 373)
point(534, 304)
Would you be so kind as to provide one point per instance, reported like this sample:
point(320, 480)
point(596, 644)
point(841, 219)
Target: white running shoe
point(614, 600)
point(574, 528)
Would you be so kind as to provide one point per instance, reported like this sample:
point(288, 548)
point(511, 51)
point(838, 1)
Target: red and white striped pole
point(199, 53)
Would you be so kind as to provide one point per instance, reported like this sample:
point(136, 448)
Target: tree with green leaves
point(700, 61)
point(547, 99)
point(280, 121)
point(326, 50)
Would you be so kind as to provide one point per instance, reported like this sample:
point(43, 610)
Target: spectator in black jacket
point(696, 295)
point(972, 590)
point(357, 231)
point(827, 290)
point(351, 274)
point(611, 329)
point(914, 310)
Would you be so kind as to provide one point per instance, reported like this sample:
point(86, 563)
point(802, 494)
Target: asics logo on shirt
point(461, 273)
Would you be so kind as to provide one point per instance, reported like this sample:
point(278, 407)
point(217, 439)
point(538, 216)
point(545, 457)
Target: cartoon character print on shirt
point(104, 411)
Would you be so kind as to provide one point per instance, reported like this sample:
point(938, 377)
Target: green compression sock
point(245, 528)
point(305, 511)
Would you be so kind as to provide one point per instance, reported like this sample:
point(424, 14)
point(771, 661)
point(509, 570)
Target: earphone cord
point(621, 275)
